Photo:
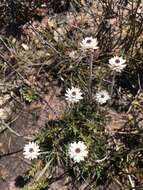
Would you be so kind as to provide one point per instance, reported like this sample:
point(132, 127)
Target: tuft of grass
point(81, 123)
point(41, 184)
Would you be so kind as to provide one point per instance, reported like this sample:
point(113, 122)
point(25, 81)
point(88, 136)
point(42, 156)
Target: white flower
point(4, 99)
point(140, 9)
point(102, 96)
point(31, 150)
point(5, 112)
point(89, 43)
point(117, 63)
point(78, 151)
point(73, 95)
point(59, 34)
point(25, 47)
point(73, 54)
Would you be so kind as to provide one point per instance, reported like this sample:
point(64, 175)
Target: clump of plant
point(28, 94)
point(95, 56)
point(36, 186)
point(81, 129)
point(80, 142)
point(82, 146)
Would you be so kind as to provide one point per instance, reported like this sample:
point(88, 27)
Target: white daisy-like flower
point(89, 43)
point(117, 63)
point(78, 151)
point(73, 95)
point(31, 150)
point(73, 54)
point(102, 96)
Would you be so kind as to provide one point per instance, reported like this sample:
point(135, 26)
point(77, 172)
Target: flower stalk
point(90, 75)
point(113, 82)
point(43, 171)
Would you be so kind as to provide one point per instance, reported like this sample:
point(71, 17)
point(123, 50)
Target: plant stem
point(43, 171)
point(113, 82)
point(130, 180)
point(90, 75)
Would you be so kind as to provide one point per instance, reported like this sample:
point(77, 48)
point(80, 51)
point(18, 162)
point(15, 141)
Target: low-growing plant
point(28, 94)
point(94, 56)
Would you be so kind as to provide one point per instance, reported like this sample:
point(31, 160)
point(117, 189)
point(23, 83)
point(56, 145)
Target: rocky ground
point(21, 121)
